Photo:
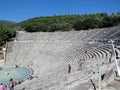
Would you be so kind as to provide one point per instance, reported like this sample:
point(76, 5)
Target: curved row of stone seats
point(16, 50)
point(77, 53)
point(106, 53)
point(69, 36)
point(83, 35)
point(117, 53)
point(91, 34)
point(58, 79)
point(50, 36)
point(109, 32)
point(40, 84)
point(48, 54)
point(113, 33)
point(94, 54)
point(107, 50)
point(23, 49)
point(115, 36)
point(23, 59)
point(103, 52)
point(106, 33)
point(103, 55)
point(65, 81)
point(44, 36)
point(23, 54)
point(27, 51)
point(98, 53)
point(98, 34)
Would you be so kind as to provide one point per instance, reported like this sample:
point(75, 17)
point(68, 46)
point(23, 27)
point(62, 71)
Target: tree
point(5, 34)
point(107, 21)
point(67, 22)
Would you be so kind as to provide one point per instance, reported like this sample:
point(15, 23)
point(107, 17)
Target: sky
point(20, 10)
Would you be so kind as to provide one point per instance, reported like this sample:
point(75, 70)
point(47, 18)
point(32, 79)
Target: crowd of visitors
point(11, 83)
point(9, 87)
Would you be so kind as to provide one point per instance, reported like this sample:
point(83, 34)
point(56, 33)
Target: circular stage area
point(18, 74)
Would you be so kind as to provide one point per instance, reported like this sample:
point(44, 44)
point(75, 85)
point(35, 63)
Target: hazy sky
point(19, 10)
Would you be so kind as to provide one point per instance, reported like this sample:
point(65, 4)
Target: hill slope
point(70, 22)
point(7, 23)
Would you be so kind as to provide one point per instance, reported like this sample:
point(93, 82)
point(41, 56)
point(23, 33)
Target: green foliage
point(107, 21)
point(116, 18)
point(60, 27)
point(69, 22)
point(6, 34)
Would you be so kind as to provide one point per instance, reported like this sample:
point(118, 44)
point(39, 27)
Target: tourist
point(2, 87)
point(30, 77)
point(11, 84)
point(69, 68)
point(6, 87)
point(80, 66)
point(16, 66)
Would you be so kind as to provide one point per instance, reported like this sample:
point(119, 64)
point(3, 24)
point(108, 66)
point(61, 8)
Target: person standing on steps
point(11, 84)
point(69, 68)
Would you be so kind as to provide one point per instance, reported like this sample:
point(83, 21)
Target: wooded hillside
point(70, 22)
